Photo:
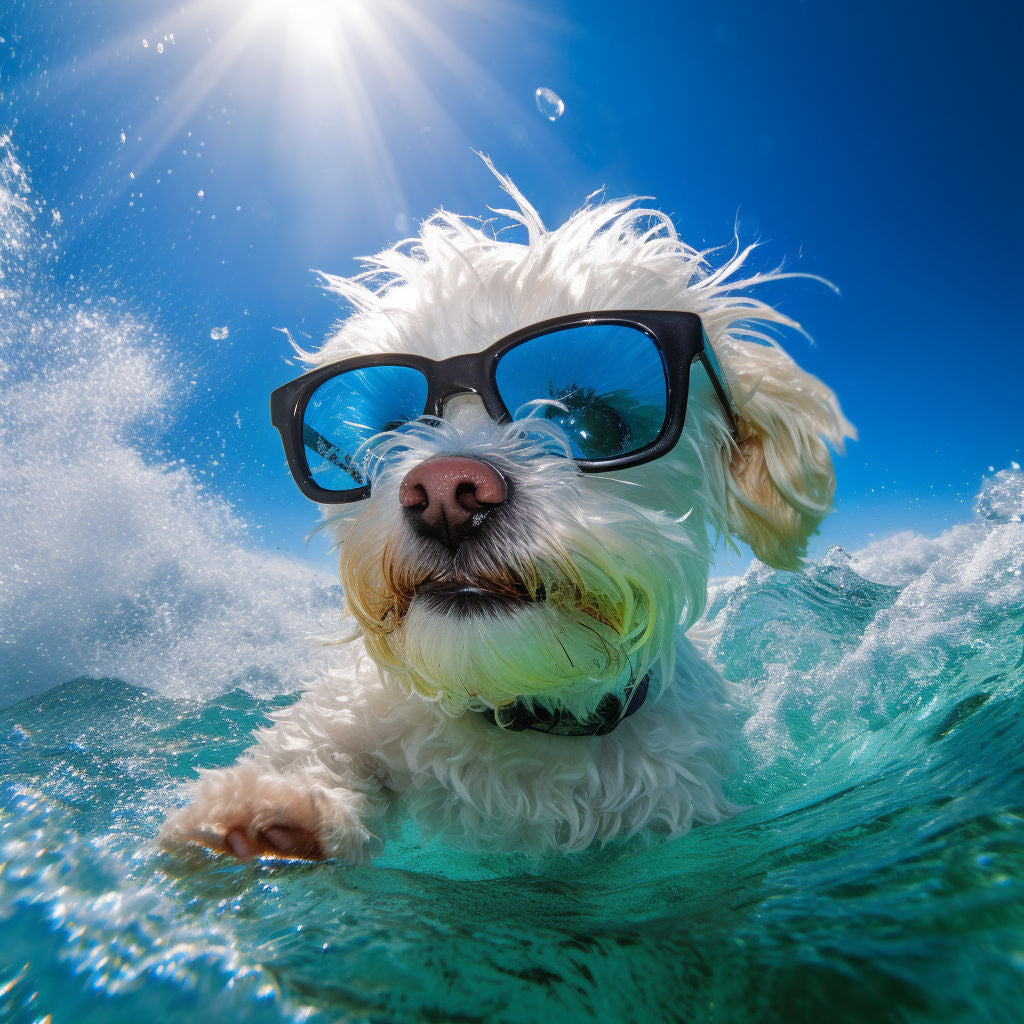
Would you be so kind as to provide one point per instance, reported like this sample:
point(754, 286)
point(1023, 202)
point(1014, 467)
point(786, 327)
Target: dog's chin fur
point(573, 588)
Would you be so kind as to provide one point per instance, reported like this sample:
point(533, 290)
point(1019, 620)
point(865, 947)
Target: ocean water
point(878, 873)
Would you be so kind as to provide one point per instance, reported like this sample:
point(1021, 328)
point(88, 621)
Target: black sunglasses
point(616, 384)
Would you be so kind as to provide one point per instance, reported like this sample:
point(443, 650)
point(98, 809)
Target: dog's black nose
point(449, 497)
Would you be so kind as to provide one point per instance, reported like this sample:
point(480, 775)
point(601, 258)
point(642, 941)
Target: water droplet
point(549, 103)
point(218, 333)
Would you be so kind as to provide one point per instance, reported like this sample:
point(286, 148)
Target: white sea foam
point(113, 561)
point(959, 591)
point(967, 584)
point(907, 556)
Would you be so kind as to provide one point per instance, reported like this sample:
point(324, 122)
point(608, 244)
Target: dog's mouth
point(464, 598)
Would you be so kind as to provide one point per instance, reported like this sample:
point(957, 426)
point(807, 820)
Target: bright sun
point(319, 26)
point(371, 74)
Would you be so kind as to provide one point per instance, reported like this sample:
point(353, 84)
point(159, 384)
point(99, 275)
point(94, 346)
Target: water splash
point(907, 626)
point(114, 560)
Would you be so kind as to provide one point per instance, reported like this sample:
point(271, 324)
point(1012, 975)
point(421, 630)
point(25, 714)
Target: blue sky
point(875, 144)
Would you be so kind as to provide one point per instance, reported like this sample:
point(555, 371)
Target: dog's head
point(482, 565)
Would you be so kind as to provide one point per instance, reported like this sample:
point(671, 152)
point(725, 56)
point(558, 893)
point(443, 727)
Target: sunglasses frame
point(679, 337)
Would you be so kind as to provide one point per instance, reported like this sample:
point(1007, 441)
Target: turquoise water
point(878, 874)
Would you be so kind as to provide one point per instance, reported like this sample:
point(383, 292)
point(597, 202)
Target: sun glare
point(314, 26)
point(351, 84)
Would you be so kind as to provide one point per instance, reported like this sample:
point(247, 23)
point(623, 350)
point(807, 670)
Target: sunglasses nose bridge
point(458, 382)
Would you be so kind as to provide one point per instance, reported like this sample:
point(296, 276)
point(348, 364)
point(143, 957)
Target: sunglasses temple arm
point(724, 396)
point(316, 442)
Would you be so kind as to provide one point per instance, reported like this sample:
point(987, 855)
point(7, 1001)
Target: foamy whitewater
point(878, 874)
point(114, 560)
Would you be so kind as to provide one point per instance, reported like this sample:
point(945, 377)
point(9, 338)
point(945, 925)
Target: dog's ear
point(779, 475)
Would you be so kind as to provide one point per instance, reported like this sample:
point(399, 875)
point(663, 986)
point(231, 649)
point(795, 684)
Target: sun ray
point(198, 85)
point(338, 74)
point(337, 89)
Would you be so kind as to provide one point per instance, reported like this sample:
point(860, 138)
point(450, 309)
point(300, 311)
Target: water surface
point(878, 874)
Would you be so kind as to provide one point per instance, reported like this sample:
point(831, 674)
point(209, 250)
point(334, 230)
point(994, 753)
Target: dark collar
point(520, 715)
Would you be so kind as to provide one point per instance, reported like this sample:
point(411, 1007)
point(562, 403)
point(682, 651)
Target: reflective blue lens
point(605, 385)
point(349, 409)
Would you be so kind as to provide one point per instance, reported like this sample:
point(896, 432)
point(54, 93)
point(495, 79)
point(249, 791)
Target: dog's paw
point(247, 812)
point(291, 841)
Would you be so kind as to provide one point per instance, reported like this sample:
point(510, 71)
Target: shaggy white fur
point(622, 559)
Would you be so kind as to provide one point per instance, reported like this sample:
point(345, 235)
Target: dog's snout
point(449, 497)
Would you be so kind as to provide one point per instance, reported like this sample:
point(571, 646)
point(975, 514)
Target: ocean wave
point(828, 660)
point(114, 559)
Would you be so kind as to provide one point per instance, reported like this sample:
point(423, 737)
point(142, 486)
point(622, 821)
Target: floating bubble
point(549, 103)
point(218, 333)
point(159, 47)
point(145, 44)
point(200, 194)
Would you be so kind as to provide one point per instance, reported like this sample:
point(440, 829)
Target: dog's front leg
point(250, 810)
point(295, 794)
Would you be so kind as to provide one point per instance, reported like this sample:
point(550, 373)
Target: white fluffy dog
point(520, 677)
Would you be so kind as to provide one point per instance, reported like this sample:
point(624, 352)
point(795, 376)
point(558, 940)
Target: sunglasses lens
point(603, 384)
point(348, 410)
